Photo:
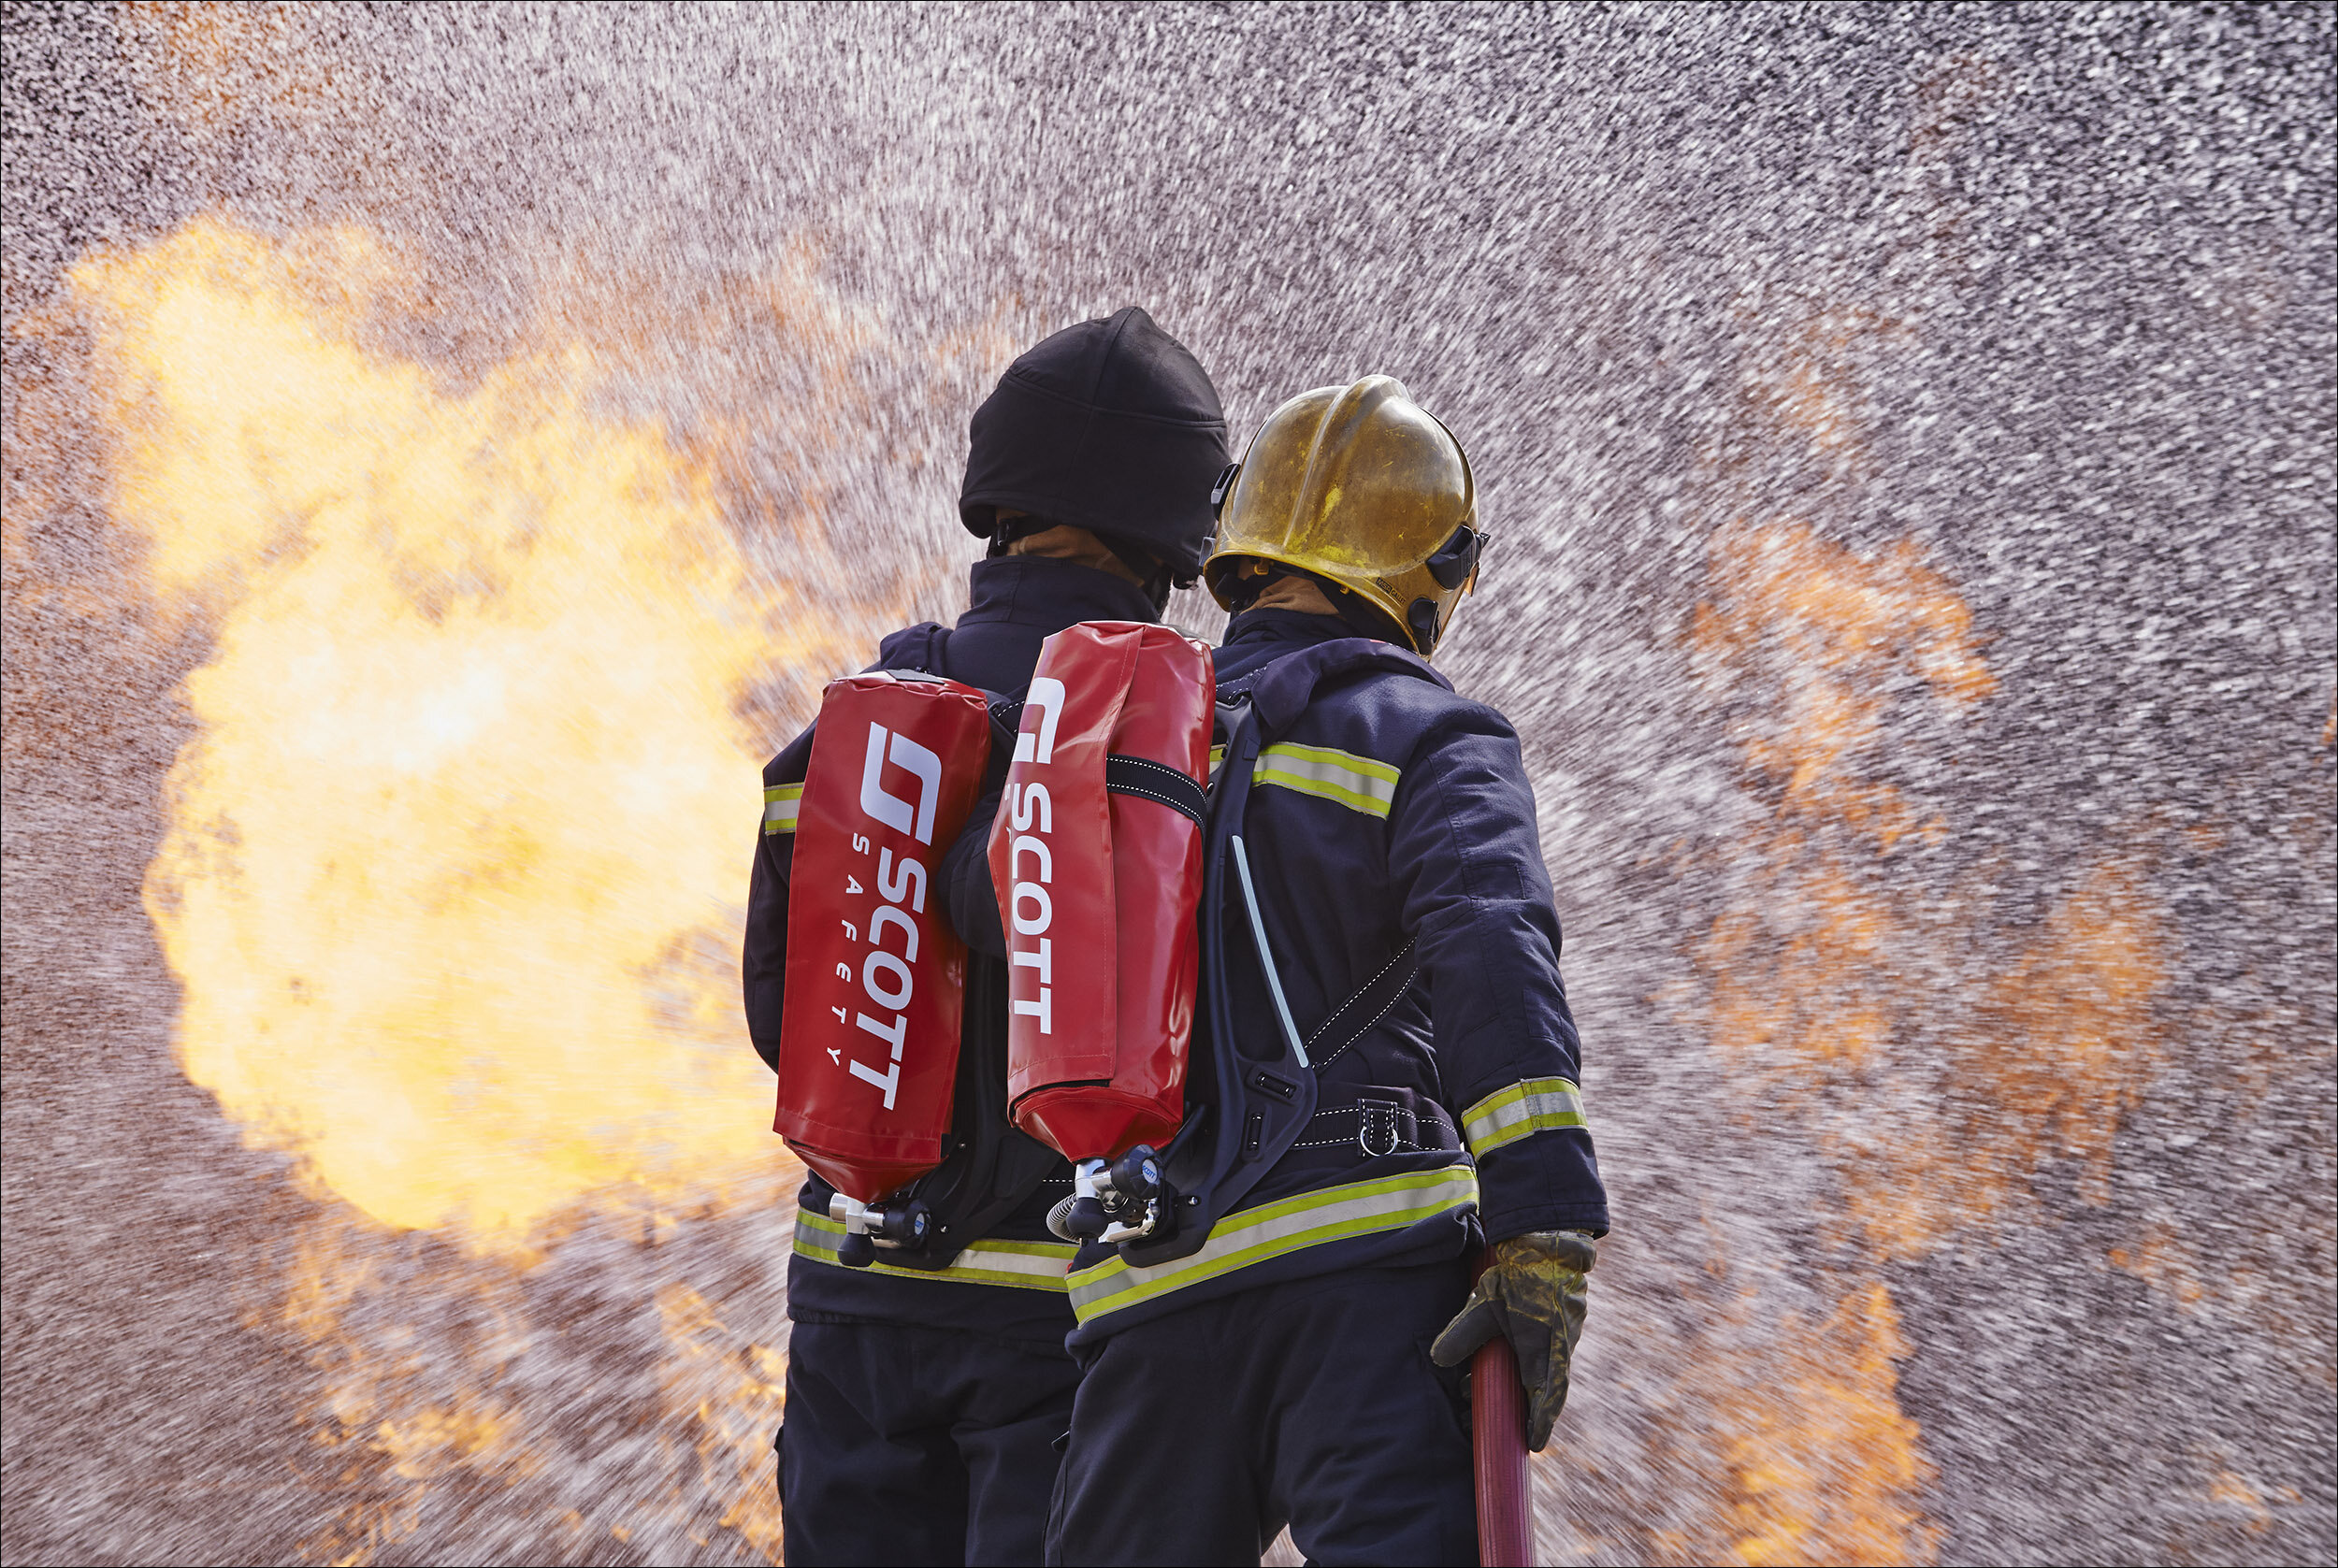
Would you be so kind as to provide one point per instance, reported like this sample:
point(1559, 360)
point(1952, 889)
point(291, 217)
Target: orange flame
point(1825, 1466)
point(1809, 640)
point(1822, 634)
point(453, 866)
point(454, 860)
point(1816, 645)
point(1827, 983)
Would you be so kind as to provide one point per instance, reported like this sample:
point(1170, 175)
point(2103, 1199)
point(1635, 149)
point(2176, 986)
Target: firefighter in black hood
point(926, 1390)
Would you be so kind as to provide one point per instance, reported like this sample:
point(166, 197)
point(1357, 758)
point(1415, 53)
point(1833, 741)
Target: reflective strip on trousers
point(1024, 1265)
point(1360, 784)
point(1287, 1224)
point(1505, 1117)
point(779, 807)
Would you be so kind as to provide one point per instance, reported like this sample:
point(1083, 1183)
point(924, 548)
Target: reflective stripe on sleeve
point(1358, 783)
point(779, 807)
point(1508, 1114)
point(1025, 1265)
point(1272, 1229)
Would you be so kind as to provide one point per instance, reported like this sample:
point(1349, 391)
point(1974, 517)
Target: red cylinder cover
point(877, 979)
point(1098, 891)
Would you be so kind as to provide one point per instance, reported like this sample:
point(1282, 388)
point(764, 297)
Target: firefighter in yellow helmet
point(1291, 1355)
point(1364, 494)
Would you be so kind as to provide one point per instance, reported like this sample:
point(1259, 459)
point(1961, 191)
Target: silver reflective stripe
point(1272, 1229)
point(1025, 1265)
point(1508, 1114)
point(1358, 783)
point(779, 807)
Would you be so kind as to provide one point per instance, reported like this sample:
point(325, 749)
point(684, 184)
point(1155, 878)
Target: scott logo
point(891, 809)
point(1031, 910)
point(887, 978)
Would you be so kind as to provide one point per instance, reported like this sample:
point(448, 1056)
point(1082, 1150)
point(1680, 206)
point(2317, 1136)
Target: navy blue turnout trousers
point(918, 1445)
point(1197, 1436)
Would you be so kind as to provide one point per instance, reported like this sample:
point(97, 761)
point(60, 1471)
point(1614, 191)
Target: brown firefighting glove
point(1533, 1293)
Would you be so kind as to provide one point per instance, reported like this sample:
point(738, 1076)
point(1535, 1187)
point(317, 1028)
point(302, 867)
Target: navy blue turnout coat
point(1390, 824)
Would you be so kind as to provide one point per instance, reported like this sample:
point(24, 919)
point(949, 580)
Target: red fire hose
point(1498, 1403)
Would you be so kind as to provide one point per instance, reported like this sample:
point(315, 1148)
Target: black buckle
point(1457, 558)
point(1222, 488)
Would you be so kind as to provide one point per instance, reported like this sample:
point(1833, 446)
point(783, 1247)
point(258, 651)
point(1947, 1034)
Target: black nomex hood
point(1111, 425)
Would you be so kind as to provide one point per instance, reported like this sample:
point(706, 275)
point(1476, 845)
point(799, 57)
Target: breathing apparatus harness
point(1253, 1090)
point(989, 1168)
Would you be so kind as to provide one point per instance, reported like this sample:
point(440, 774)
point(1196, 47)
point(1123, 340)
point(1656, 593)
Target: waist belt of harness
point(1379, 1122)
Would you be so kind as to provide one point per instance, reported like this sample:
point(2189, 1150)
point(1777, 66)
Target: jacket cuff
point(1549, 1181)
point(1501, 1224)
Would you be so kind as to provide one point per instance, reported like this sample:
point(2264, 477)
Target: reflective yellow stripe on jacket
point(1508, 1114)
point(1025, 1265)
point(779, 807)
point(1360, 784)
point(1272, 1229)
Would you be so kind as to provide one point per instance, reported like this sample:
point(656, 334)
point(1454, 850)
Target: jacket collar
point(1041, 592)
point(1295, 628)
point(1319, 648)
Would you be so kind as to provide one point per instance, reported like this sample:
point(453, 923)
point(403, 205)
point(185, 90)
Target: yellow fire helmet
point(1364, 490)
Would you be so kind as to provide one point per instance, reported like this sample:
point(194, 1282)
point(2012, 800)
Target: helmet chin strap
point(1295, 591)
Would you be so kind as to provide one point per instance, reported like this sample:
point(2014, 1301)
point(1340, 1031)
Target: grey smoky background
point(1907, 437)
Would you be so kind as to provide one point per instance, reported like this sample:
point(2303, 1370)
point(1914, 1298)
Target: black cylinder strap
point(1156, 781)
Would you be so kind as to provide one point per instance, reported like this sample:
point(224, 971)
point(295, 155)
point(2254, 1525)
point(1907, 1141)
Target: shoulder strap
point(923, 646)
point(1370, 1003)
point(1251, 1107)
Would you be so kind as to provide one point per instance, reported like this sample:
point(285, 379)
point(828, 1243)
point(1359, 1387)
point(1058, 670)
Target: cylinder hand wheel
point(1137, 1173)
point(907, 1226)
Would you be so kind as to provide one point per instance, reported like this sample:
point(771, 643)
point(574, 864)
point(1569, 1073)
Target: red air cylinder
point(1098, 890)
point(877, 979)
